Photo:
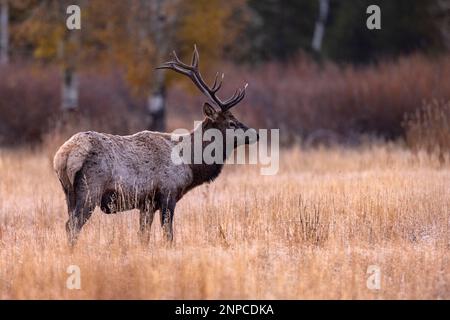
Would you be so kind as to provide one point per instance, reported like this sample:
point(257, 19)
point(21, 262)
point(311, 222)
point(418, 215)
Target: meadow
point(309, 232)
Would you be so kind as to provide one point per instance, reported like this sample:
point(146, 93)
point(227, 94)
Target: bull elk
point(120, 173)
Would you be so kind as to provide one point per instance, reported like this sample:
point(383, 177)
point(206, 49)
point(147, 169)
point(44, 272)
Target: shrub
point(27, 103)
point(30, 104)
point(302, 98)
point(429, 128)
point(318, 104)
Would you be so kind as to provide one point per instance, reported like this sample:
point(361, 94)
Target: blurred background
point(314, 69)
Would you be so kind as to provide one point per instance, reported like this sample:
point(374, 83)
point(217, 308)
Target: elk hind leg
point(78, 216)
point(145, 224)
point(167, 210)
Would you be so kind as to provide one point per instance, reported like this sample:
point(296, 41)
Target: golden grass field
point(309, 232)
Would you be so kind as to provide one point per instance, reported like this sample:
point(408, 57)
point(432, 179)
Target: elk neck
point(203, 172)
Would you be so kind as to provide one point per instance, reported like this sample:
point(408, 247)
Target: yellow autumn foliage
point(119, 35)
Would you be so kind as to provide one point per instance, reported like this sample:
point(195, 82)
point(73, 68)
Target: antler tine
point(195, 58)
point(172, 66)
point(179, 62)
point(217, 85)
point(165, 65)
point(236, 98)
point(215, 81)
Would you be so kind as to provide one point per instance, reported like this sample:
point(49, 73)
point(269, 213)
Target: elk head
point(220, 116)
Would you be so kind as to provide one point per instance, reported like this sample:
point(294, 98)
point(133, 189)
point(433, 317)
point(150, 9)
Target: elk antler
point(194, 74)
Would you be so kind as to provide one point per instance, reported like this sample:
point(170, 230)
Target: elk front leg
point(145, 224)
point(167, 210)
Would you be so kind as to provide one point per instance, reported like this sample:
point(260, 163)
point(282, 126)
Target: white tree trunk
point(442, 8)
point(156, 104)
point(70, 59)
point(319, 30)
point(69, 90)
point(4, 32)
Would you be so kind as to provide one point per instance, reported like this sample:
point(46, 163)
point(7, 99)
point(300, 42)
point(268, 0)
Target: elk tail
point(68, 161)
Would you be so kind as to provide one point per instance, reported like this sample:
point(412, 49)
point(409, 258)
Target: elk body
point(120, 173)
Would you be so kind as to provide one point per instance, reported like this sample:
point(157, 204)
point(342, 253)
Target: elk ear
point(209, 111)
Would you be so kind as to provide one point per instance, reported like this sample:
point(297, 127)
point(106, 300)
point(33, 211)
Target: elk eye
point(232, 125)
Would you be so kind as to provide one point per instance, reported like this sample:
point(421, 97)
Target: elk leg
point(145, 224)
point(78, 217)
point(167, 210)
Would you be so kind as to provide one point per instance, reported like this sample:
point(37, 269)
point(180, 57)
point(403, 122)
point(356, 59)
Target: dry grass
point(309, 232)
